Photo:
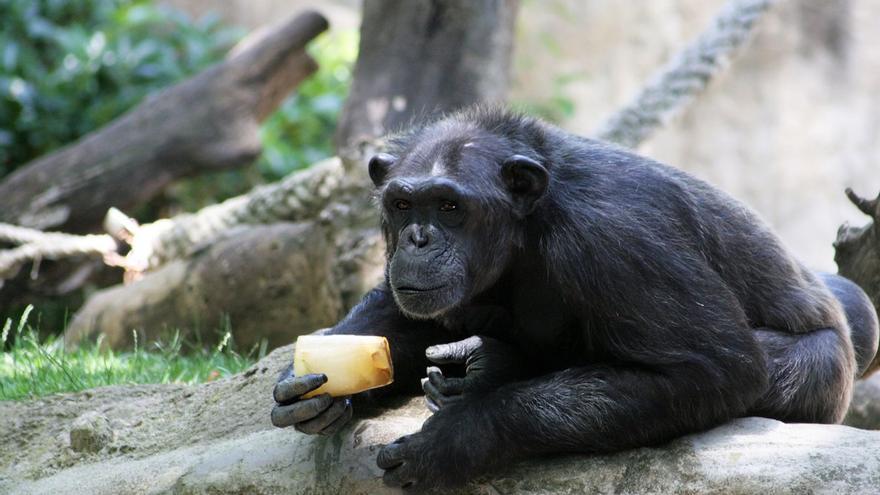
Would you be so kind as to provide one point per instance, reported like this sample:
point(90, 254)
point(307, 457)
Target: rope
point(686, 75)
point(301, 195)
point(35, 245)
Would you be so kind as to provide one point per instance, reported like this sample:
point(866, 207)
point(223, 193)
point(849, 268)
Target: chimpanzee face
point(452, 209)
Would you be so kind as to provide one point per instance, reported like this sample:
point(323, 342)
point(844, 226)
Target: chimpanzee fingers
point(286, 373)
point(439, 390)
point(436, 398)
point(304, 410)
point(432, 393)
point(453, 352)
point(446, 385)
point(291, 388)
point(393, 458)
point(313, 426)
point(341, 421)
point(431, 405)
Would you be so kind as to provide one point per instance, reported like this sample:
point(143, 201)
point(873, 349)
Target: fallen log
point(413, 57)
point(271, 282)
point(208, 122)
point(857, 249)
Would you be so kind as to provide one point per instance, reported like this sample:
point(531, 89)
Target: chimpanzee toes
point(392, 455)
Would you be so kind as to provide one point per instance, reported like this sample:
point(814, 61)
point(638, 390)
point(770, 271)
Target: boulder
point(864, 411)
point(269, 282)
point(90, 432)
point(215, 438)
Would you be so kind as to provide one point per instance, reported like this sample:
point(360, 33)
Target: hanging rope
point(685, 76)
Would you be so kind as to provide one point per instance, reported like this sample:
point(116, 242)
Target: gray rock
point(864, 411)
point(750, 455)
point(216, 438)
point(90, 432)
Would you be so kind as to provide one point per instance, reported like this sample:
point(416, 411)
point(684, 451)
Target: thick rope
point(685, 76)
point(298, 196)
point(36, 244)
point(301, 195)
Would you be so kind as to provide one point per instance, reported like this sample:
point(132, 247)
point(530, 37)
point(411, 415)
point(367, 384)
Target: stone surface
point(216, 438)
point(750, 455)
point(864, 411)
point(90, 432)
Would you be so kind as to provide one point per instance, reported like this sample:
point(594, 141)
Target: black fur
point(650, 304)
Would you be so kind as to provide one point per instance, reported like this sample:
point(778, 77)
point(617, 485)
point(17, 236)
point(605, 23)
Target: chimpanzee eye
point(448, 206)
point(401, 204)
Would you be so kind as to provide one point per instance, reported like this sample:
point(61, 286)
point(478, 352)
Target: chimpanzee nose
point(419, 237)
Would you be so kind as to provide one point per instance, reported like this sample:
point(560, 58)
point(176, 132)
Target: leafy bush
point(67, 68)
point(301, 131)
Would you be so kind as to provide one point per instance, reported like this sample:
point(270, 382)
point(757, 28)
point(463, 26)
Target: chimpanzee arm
point(701, 376)
point(376, 314)
point(589, 409)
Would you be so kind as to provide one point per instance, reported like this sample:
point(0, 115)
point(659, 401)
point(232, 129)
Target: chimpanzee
point(599, 300)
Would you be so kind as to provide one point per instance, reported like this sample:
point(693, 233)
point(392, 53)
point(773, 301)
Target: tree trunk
point(857, 254)
point(857, 249)
point(208, 122)
point(417, 59)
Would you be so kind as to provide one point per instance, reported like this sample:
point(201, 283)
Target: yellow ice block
point(352, 363)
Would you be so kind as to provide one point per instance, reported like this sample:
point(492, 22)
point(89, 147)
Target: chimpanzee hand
point(456, 444)
point(488, 362)
point(319, 415)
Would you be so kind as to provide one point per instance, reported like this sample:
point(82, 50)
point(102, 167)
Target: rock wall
point(794, 121)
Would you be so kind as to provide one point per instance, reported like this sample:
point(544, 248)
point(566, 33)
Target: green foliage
point(31, 366)
point(301, 131)
point(67, 67)
point(297, 135)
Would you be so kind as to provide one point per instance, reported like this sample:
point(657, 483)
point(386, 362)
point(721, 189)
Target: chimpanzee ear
point(526, 179)
point(379, 166)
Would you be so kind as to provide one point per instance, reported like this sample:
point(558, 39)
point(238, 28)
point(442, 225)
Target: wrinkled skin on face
point(447, 240)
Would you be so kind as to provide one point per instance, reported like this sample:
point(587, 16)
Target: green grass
point(31, 366)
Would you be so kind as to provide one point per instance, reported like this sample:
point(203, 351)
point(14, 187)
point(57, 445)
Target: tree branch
point(208, 122)
point(857, 249)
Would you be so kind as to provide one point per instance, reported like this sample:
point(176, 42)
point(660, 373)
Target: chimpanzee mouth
point(418, 290)
point(423, 301)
